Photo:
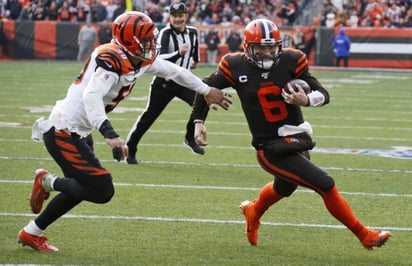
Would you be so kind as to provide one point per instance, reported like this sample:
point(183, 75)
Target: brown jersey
point(260, 90)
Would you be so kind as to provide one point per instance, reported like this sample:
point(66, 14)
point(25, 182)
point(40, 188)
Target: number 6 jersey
point(259, 91)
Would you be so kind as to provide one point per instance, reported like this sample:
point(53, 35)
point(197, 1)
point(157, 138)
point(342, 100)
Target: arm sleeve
point(180, 75)
point(171, 56)
point(98, 86)
point(200, 108)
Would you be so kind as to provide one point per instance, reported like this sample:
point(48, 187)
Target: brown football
point(305, 86)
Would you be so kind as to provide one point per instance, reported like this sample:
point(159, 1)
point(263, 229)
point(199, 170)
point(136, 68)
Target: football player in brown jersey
point(106, 79)
point(280, 135)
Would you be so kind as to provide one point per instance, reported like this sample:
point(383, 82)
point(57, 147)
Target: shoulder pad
point(112, 58)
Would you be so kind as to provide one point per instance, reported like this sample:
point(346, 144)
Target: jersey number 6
point(273, 106)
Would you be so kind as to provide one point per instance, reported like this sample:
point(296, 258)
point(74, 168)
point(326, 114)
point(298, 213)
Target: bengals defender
point(107, 78)
point(280, 134)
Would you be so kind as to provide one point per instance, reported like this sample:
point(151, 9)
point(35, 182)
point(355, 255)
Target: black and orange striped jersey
point(260, 90)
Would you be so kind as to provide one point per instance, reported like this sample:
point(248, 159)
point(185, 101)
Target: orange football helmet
point(136, 33)
point(262, 43)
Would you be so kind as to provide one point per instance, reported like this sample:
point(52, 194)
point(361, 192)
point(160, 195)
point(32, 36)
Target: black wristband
point(107, 130)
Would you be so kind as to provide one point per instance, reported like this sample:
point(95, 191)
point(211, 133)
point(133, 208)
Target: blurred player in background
point(280, 135)
point(107, 78)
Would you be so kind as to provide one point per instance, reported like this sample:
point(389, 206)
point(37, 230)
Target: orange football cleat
point(38, 193)
point(36, 242)
point(375, 239)
point(252, 222)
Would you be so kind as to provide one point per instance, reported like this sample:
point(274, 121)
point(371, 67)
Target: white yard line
point(195, 220)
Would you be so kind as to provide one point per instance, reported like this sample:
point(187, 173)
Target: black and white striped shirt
point(171, 40)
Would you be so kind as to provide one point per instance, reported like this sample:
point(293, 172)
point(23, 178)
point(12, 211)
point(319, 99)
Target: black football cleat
point(131, 159)
point(196, 149)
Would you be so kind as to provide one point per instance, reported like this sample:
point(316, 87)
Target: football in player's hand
point(305, 86)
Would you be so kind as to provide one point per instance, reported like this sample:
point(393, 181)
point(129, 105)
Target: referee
point(180, 45)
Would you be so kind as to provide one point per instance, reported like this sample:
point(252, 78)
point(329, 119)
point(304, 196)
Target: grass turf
point(179, 209)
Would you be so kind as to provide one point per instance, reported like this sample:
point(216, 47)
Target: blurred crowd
point(367, 13)
point(205, 12)
point(350, 13)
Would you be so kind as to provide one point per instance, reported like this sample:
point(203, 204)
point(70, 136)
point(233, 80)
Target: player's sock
point(33, 229)
point(341, 210)
point(267, 197)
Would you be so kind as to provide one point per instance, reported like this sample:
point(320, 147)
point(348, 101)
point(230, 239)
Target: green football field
point(176, 208)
